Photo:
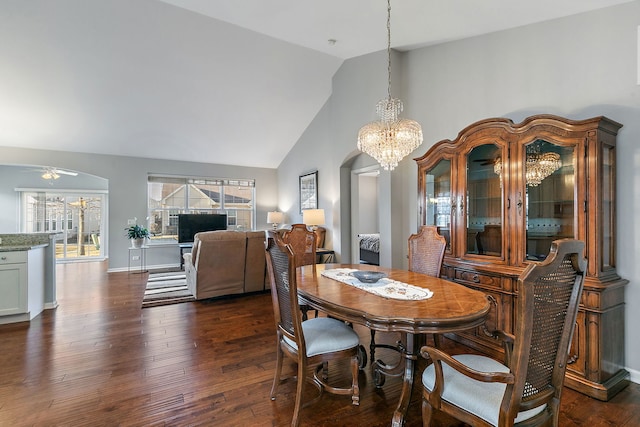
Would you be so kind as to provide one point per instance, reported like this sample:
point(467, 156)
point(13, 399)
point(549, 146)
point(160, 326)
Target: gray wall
point(577, 67)
point(127, 177)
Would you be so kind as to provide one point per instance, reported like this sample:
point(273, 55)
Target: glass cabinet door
point(608, 218)
point(438, 199)
point(550, 196)
point(484, 201)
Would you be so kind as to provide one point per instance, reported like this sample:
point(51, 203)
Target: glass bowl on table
point(368, 276)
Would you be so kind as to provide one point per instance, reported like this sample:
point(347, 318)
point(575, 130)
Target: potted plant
point(137, 234)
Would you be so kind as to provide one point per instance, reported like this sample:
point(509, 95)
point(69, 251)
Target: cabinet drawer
point(13, 257)
point(477, 279)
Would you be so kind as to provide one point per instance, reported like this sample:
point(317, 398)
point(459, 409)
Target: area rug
point(166, 288)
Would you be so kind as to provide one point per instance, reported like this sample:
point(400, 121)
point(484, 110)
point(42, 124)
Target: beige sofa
point(226, 262)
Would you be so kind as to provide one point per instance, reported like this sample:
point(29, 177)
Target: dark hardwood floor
point(99, 359)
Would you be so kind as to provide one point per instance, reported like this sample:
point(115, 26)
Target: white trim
point(136, 269)
point(374, 169)
point(151, 244)
point(634, 375)
point(57, 190)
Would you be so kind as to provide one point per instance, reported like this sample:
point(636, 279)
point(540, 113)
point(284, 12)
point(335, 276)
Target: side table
point(325, 255)
point(183, 247)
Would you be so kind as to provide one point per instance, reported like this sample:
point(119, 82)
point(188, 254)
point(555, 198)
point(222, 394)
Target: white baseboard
point(634, 375)
point(50, 305)
point(137, 268)
point(14, 318)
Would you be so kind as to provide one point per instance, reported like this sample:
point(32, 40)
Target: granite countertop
point(24, 241)
point(12, 248)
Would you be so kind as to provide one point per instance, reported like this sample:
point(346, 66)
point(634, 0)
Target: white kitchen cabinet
point(21, 285)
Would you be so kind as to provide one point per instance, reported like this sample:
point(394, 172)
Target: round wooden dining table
point(451, 308)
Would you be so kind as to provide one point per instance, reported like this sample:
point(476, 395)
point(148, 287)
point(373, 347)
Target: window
point(170, 196)
point(78, 218)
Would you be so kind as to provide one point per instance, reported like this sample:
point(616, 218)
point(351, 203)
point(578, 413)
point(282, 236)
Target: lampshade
point(313, 216)
point(275, 217)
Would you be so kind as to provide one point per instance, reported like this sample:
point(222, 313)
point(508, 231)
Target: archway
point(69, 203)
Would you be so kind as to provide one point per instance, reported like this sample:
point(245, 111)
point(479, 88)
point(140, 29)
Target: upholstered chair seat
point(479, 398)
point(326, 335)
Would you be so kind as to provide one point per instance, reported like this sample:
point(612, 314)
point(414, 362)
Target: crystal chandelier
point(538, 165)
point(391, 138)
point(541, 165)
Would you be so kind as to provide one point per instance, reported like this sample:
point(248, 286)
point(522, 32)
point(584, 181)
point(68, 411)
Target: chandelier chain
point(389, 48)
point(391, 138)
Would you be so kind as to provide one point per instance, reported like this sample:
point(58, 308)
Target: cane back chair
point(426, 252)
point(311, 343)
point(303, 243)
point(526, 389)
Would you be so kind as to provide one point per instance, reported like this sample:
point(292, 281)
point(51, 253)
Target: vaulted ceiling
point(218, 81)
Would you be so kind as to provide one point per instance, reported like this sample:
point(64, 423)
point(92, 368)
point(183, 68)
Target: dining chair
point(526, 388)
point(303, 243)
point(311, 343)
point(426, 252)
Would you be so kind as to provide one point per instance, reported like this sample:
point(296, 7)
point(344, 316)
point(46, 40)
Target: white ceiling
point(359, 26)
point(195, 80)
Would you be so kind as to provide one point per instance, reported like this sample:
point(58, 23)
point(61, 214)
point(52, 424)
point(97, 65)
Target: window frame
point(227, 202)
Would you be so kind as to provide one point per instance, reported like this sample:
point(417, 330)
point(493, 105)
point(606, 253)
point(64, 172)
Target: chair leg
point(427, 412)
point(276, 378)
point(355, 367)
point(437, 341)
point(301, 380)
point(372, 346)
point(305, 311)
point(325, 371)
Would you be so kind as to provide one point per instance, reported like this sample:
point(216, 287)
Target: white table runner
point(385, 287)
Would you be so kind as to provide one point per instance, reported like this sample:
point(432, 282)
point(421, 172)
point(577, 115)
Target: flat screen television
point(190, 224)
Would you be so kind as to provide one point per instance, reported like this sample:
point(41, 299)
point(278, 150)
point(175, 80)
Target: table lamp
point(313, 217)
point(275, 218)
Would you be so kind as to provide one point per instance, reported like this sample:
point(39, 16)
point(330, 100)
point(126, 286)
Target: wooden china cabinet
point(500, 193)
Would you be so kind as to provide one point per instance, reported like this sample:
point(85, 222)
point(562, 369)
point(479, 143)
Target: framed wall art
point(309, 191)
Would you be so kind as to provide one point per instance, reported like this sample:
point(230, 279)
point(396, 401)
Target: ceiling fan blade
point(64, 172)
point(485, 161)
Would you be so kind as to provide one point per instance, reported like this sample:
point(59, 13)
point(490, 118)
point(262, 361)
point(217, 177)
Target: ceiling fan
point(486, 155)
point(54, 173)
point(485, 162)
